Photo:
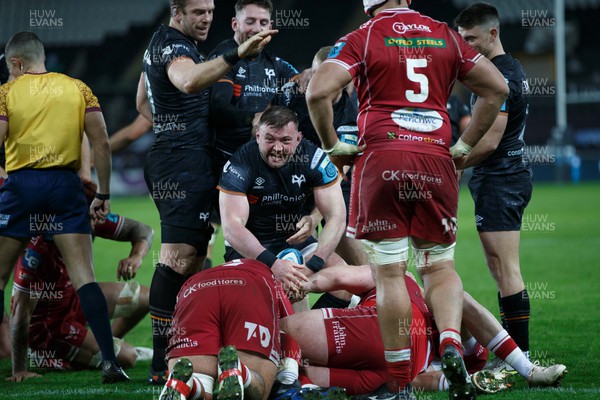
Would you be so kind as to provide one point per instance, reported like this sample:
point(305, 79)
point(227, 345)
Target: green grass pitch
point(559, 249)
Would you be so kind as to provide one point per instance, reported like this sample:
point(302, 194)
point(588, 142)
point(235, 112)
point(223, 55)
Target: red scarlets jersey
point(404, 66)
point(42, 273)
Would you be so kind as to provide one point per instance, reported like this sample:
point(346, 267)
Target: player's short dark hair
point(178, 4)
point(323, 53)
point(25, 45)
point(278, 117)
point(477, 15)
point(266, 4)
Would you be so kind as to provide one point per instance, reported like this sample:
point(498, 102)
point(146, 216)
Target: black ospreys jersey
point(180, 119)
point(276, 195)
point(345, 113)
point(249, 87)
point(457, 109)
point(508, 157)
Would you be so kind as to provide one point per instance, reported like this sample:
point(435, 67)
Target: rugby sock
point(516, 313)
point(93, 304)
point(163, 295)
point(327, 300)
point(475, 355)
point(398, 366)
point(504, 346)
point(291, 358)
point(200, 385)
point(443, 384)
point(502, 319)
point(470, 346)
point(450, 337)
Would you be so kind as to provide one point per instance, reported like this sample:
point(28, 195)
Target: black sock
point(327, 300)
point(163, 295)
point(502, 319)
point(93, 304)
point(516, 312)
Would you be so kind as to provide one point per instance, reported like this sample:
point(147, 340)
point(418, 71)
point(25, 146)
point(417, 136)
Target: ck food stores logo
point(45, 19)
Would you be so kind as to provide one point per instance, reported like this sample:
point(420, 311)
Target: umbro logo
point(258, 183)
point(299, 179)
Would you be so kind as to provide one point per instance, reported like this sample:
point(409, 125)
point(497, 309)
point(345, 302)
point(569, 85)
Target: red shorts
point(227, 305)
point(397, 194)
point(59, 335)
point(354, 343)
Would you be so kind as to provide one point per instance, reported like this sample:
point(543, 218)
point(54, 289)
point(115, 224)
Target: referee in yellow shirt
point(43, 116)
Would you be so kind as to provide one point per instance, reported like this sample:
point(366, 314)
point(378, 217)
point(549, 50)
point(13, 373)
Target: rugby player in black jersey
point(501, 185)
point(173, 93)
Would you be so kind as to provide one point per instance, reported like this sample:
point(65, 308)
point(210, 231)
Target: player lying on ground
point(46, 313)
point(347, 346)
point(236, 304)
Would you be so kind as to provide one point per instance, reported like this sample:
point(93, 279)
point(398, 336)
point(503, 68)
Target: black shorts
point(346, 189)
point(500, 200)
point(182, 184)
point(43, 202)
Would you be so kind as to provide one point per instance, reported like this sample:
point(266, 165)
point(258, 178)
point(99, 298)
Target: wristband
point(315, 264)
point(232, 57)
point(342, 149)
point(267, 258)
point(460, 149)
point(102, 196)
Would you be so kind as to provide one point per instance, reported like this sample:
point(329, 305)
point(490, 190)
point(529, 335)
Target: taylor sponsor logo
point(378, 225)
point(414, 42)
point(418, 119)
point(402, 28)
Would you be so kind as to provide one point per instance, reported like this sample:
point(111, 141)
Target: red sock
point(290, 348)
point(399, 366)
point(450, 337)
point(502, 345)
point(304, 380)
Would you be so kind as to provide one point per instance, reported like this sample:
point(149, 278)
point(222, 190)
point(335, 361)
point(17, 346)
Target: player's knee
point(388, 251)
point(426, 258)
